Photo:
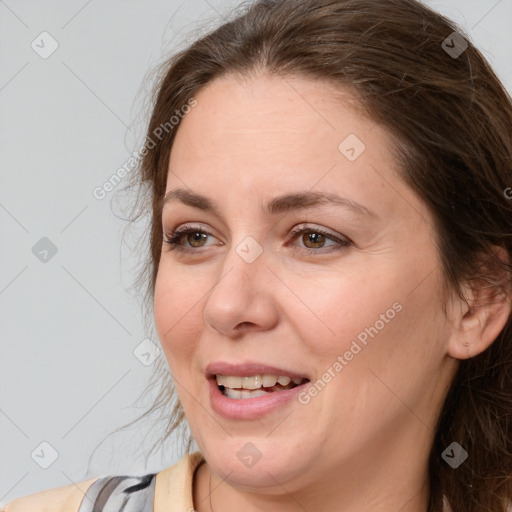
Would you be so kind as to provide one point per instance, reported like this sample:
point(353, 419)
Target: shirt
point(170, 490)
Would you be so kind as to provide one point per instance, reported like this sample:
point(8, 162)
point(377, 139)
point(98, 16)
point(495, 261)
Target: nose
point(241, 299)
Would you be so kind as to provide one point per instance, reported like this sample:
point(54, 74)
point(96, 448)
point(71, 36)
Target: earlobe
point(477, 327)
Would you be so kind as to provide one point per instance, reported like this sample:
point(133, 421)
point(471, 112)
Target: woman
point(330, 267)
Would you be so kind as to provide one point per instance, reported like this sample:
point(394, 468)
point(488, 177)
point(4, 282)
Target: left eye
point(317, 236)
point(314, 236)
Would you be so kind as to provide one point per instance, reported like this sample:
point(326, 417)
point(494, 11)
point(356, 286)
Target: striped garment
point(120, 494)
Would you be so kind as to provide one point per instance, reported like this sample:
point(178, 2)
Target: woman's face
point(343, 293)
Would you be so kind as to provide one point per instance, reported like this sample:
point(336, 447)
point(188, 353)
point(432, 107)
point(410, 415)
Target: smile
point(236, 387)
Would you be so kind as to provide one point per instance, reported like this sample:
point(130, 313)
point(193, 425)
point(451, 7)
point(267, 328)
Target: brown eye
point(315, 239)
point(195, 237)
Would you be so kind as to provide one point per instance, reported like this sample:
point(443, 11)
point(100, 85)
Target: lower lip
point(250, 408)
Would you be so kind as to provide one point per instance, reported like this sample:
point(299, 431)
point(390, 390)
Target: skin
point(363, 442)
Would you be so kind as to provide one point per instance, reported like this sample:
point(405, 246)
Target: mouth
point(251, 390)
point(239, 387)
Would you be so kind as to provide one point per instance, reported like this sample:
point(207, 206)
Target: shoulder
point(146, 493)
point(120, 493)
point(108, 494)
point(65, 499)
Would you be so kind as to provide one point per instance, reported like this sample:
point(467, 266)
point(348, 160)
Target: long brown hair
point(451, 120)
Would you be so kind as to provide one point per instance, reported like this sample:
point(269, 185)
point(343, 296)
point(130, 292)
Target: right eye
point(173, 239)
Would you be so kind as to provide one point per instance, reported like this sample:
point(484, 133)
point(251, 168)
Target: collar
point(173, 486)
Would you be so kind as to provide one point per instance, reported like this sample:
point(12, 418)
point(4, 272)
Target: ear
point(477, 327)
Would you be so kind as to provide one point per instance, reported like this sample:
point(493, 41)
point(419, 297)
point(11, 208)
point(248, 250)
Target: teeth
point(254, 381)
point(237, 394)
point(229, 382)
point(269, 380)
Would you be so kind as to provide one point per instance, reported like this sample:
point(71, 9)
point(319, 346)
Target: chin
point(254, 462)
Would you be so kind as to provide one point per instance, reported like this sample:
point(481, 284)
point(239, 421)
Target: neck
point(390, 485)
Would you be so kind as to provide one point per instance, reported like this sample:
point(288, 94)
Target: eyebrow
point(277, 205)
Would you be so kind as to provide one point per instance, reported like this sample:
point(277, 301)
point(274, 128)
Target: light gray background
point(68, 374)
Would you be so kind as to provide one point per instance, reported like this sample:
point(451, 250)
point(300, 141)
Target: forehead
point(269, 135)
point(273, 105)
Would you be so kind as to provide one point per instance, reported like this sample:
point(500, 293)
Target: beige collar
point(173, 486)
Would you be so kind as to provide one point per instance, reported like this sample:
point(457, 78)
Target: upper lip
point(250, 368)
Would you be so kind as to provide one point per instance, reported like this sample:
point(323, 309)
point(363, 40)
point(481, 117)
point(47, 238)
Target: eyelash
point(173, 238)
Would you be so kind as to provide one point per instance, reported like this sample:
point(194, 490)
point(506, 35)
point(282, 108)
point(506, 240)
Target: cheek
point(177, 317)
point(381, 320)
point(337, 313)
point(387, 344)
